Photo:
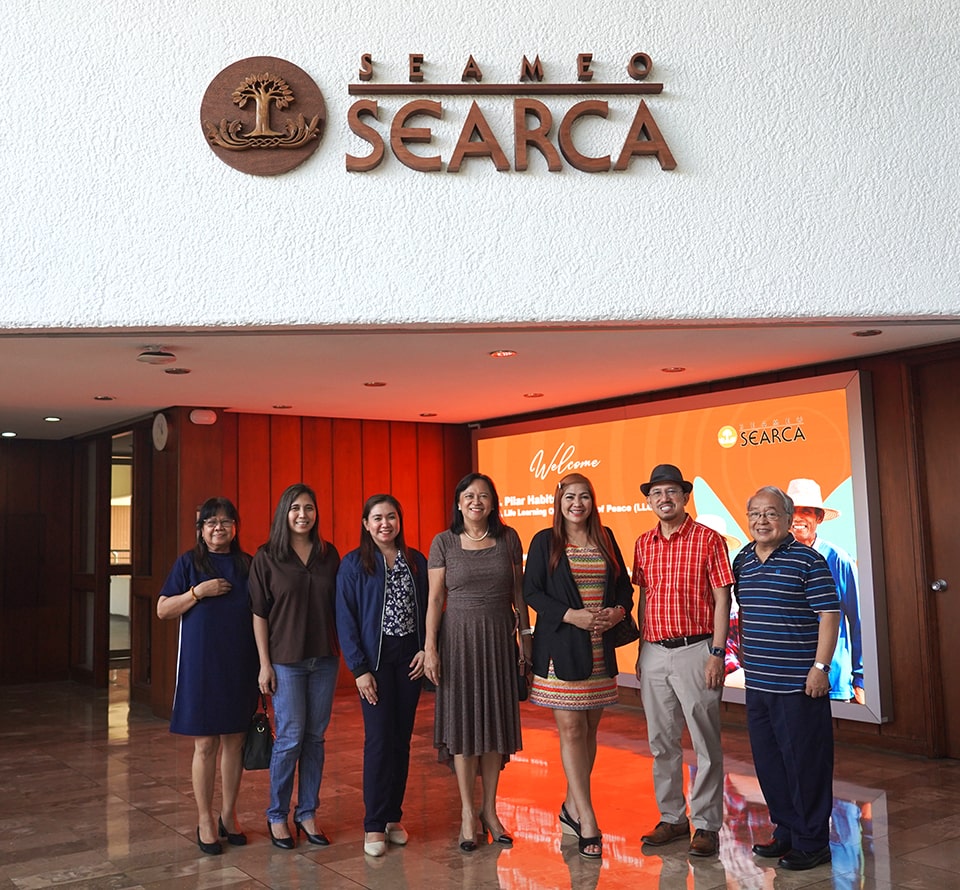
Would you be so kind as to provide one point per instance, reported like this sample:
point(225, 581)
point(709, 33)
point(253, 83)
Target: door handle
point(939, 585)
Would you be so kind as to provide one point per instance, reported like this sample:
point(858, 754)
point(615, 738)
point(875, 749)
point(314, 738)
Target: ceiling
point(441, 374)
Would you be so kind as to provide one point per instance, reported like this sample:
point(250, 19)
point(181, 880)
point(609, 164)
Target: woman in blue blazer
point(381, 612)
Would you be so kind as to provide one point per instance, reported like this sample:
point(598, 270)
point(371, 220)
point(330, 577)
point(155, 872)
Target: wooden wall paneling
point(254, 500)
point(435, 500)
point(53, 598)
point(897, 480)
point(166, 547)
point(199, 449)
point(143, 584)
point(341, 526)
point(19, 572)
point(229, 456)
point(377, 439)
point(405, 480)
point(286, 455)
point(317, 463)
point(457, 457)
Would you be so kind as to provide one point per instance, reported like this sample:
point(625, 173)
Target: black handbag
point(258, 744)
point(523, 686)
point(623, 632)
point(523, 679)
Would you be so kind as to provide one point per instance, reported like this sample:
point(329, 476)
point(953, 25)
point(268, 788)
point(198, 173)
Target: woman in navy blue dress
point(217, 664)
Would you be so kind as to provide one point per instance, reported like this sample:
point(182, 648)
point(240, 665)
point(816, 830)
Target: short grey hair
point(786, 501)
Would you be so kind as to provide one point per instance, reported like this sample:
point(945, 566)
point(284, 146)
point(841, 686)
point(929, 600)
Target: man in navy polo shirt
point(789, 618)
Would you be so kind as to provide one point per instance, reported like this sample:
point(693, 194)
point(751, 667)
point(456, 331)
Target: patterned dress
point(599, 689)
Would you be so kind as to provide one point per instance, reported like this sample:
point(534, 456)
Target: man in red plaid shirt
point(683, 571)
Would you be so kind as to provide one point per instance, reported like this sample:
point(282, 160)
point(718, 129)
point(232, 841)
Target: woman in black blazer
point(577, 583)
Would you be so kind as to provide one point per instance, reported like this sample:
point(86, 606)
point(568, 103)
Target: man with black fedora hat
point(683, 571)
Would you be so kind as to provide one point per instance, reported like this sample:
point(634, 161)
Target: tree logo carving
point(257, 143)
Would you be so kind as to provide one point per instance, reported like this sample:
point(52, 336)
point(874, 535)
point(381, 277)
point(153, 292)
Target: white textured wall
point(817, 148)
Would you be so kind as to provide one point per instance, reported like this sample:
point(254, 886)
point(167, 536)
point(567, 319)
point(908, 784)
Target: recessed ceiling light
point(533, 395)
point(52, 419)
point(676, 369)
point(870, 332)
point(8, 434)
point(428, 413)
point(176, 371)
point(155, 355)
point(282, 407)
point(503, 353)
point(104, 398)
point(374, 383)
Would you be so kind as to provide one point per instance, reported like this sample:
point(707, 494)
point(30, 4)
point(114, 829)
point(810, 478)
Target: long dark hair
point(278, 544)
point(495, 524)
point(596, 533)
point(369, 551)
point(201, 553)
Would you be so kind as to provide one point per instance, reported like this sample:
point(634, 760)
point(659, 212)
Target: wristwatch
point(717, 651)
point(820, 666)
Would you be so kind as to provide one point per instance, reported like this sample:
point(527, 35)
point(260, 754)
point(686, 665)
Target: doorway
point(939, 430)
point(121, 558)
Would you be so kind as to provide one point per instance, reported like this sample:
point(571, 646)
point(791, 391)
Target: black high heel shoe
point(239, 839)
point(467, 845)
point(284, 843)
point(585, 842)
point(213, 849)
point(568, 825)
point(319, 838)
point(504, 839)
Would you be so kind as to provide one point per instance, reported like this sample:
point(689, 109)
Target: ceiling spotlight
point(156, 355)
point(104, 398)
point(375, 383)
point(8, 434)
point(176, 371)
point(282, 407)
point(428, 413)
point(533, 395)
point(503, 353)
point(676, 369)
point(870, 332)
point(52, 419)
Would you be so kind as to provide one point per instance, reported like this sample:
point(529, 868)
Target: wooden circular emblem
point(263, 115)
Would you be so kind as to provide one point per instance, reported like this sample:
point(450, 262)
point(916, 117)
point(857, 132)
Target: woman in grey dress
point(475, 569)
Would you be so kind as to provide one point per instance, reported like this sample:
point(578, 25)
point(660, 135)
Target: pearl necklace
point(472, 538)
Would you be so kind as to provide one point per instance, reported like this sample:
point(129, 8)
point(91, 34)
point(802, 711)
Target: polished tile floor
point(95, 794)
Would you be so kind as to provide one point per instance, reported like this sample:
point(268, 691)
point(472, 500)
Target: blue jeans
point(301, 706)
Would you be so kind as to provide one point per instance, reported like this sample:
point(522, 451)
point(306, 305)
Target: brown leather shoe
point(704, 843)
point(667, 832)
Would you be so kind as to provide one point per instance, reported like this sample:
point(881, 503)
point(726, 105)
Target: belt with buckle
point(677, 642)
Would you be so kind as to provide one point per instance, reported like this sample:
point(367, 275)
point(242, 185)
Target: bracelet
point(193, 593)
point(526, 631)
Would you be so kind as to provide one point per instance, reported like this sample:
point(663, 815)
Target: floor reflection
point(97, 794)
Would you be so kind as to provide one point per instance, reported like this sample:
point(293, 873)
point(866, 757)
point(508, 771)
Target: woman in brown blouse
point(292, 592)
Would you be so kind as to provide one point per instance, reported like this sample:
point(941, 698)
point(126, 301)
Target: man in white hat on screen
point(846, 669)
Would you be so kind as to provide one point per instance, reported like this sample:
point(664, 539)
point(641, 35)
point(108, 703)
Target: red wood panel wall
point(35, 552)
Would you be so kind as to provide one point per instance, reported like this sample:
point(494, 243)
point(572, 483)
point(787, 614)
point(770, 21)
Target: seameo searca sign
point(264, 116)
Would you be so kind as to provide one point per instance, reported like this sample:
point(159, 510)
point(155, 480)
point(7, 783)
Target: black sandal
point(585, 842)
point(567, 821)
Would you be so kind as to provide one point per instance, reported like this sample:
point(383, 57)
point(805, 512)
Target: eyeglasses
point(213, 523)
point(769, 515)
point(664, 492)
